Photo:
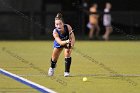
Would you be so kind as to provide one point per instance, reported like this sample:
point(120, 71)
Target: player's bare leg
point(91, 33)
point(107, 33)
point(97, 31)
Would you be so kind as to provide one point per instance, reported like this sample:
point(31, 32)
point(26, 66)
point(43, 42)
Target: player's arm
point(57, 38)
point(71, 36)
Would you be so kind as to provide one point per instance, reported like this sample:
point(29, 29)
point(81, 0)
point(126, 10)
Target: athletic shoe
point(50, 71)
point(66, 74)
point(105, 37)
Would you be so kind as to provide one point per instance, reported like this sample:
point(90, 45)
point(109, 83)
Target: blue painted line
point(26, 82)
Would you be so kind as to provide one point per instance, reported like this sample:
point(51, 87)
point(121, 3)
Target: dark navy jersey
point(64, 36)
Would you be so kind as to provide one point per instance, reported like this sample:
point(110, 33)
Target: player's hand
point(67, 41)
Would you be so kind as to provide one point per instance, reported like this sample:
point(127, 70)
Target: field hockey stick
point(69, 45)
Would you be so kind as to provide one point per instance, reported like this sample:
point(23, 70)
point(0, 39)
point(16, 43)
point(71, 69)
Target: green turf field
point(110, 67)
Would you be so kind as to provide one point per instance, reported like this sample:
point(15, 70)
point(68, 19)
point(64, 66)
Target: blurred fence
point(30, 25)
point(22, 20)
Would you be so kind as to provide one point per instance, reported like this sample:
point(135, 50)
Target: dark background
point(34, 19)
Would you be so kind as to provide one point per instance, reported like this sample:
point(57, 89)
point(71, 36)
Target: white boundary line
point(26, 82)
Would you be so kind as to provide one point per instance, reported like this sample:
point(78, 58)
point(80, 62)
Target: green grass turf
point(8, 85)
point(31, 59)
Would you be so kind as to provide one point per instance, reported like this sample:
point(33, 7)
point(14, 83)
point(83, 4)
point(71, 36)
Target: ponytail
point(59, 16)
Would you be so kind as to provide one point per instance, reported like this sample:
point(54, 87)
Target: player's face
point(59, 24)
point(108, 5)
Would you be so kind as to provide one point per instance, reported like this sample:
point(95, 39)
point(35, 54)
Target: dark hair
point(59, 16)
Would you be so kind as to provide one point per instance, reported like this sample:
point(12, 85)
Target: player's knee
point(67, 55)
point(68, 51)
point(54, 59)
